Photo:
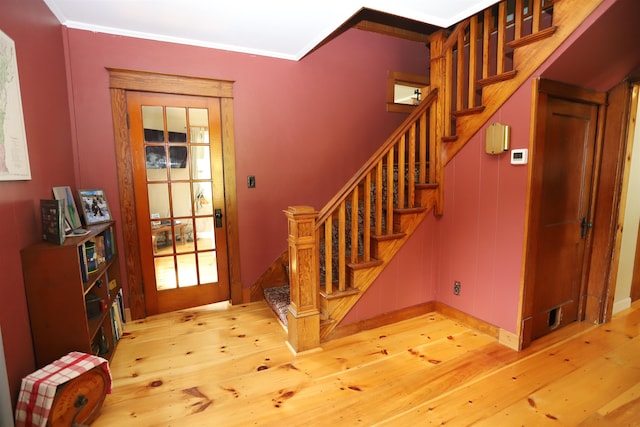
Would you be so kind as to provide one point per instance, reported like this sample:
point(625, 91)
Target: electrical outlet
point(456, 287)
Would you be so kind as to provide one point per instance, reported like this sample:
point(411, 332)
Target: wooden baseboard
point(509, 339)
point(467, 320)
point(382, 320)
point(504, 337)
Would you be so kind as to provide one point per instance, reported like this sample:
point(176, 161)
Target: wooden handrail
point(341, 196)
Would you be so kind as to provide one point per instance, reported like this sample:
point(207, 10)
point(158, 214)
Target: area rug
point(278, 299)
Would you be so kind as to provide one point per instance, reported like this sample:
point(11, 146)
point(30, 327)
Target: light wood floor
point(229, 366)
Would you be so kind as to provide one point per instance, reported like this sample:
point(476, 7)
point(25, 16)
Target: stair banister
point(342, 195)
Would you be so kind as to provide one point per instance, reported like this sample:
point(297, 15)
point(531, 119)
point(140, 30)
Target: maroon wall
point(302, 128)
point(43, 85)
point(481, 232)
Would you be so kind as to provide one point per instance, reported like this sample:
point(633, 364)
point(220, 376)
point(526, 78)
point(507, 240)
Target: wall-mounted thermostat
point(519, 156)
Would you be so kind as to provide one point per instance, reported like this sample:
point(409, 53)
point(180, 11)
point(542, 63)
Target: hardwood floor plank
point(230, 367)
point(479, 400)
point(570, 399)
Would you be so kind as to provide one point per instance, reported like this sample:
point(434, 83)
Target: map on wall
point(14, 157)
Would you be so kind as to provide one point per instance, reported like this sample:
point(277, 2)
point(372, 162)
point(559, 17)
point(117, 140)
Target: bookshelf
point(73, 292)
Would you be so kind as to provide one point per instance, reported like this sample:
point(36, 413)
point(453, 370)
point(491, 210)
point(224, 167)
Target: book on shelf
point(116, 320)
point(83, 263)
point(109, 244)
point(100, 250)
point(91, 257)
point(120, 301)
point(52, 213)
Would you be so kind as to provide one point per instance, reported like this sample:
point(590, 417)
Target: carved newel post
point(303, 317)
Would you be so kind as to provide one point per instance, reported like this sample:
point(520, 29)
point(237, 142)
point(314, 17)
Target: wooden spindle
point(434, 147)
point(519, 19)
point(536, 16)
point(411, 163)
point(423, 147)
point(461, 73)
point(389, 216)
point(401, 170)
point(379, 195)
point(366, 228)
point(502, 35)
point(328, 255)
point(354, 225)
point(487, 26)
point(473, 60)
point(342, 247)
point(447, 87)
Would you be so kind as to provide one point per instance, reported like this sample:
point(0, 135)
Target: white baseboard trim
point(623, 304)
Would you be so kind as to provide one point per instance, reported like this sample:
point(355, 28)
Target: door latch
point(584, 227)
point(218, 215)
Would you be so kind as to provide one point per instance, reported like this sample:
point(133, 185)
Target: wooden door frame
point(121, 81)
point(595, 295)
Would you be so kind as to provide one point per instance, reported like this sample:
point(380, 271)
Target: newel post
point(303, 317)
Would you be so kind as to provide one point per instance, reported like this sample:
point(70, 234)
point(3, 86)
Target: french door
point(176, 146)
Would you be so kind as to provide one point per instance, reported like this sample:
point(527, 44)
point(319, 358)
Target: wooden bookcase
point(57, 281)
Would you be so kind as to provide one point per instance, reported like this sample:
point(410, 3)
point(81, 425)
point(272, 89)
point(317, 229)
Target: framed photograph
point(94, 206)
point(71, 214)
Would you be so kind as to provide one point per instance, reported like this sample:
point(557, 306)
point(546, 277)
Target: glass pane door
point(180, 195)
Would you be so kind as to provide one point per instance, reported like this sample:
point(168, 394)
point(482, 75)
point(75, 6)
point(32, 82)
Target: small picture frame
point(72, 217)
point(93, 203)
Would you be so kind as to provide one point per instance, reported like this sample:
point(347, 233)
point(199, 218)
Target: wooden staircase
point(336, 254)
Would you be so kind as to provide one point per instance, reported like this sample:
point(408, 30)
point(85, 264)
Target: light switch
point(251, 181)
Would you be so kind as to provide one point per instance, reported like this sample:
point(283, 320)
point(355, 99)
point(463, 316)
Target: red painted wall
point(302, 128)
point(408, 280)
point(41, 67)
point(481, 232)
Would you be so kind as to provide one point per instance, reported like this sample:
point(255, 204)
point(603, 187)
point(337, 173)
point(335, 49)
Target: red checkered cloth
point(39, 388)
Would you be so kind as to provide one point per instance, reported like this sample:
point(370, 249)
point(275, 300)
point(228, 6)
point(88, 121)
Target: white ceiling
point(287, 29)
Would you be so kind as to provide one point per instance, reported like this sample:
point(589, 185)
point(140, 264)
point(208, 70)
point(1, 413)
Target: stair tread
point(532, 38)
point(507, 75)
point(406, 211)
point(451, 138)
point(382, 237)
point(468, 111)
point(339, 294)
point(359, 265)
